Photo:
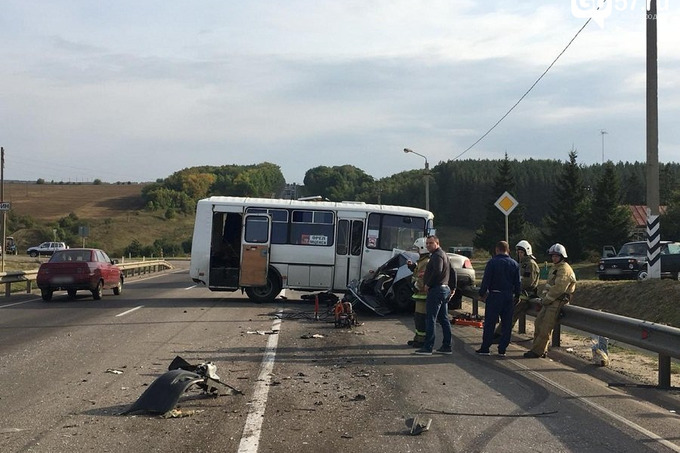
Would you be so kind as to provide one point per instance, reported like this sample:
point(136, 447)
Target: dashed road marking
point(129, 311)
point(250, 439)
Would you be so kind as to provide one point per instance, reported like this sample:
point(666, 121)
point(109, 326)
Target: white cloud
point(305, 83)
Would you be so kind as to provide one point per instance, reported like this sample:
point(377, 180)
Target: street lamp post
point(427, 177)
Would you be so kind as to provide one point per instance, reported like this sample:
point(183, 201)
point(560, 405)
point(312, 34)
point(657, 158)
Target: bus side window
point(343, 237)
point(357, 237)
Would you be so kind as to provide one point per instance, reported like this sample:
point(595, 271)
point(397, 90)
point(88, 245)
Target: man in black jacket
point(436, 281)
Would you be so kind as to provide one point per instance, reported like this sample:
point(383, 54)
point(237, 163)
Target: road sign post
point(506, 203)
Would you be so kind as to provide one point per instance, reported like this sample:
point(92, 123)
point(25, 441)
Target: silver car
point(465, 274)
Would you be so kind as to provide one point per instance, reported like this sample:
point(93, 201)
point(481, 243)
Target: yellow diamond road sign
point(506, 203)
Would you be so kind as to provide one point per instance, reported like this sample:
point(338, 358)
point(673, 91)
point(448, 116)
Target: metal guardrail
point(128, 269)
point(659, 338)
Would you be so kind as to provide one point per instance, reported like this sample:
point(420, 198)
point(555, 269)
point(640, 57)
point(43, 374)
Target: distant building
point(290, 191)
point(639, 215)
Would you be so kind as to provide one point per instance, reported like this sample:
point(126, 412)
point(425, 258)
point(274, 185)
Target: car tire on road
point(118, 288)
point(72, 293)
point(98, 291)
point(46, 295)
point(403, 297)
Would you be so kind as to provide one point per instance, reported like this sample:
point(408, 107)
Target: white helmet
point(557, 249)
point(525, 246)
point(420, 245)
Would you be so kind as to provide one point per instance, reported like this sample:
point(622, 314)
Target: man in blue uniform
point(499, 289)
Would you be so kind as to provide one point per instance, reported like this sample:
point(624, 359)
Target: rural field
point(114, 213)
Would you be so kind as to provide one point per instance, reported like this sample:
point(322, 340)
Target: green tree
point(493, 228)
point(608, 222)
point(565, 222)
point(667, 183)
point(339, 183)
point(634, 189)
point(670, 221)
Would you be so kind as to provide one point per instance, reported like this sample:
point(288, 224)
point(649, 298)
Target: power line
point(528, 91)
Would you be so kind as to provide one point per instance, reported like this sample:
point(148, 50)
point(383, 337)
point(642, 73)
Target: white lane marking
point(250, 439)
point(129, 311)
point(604, 410)
point(190, 287)
point(18, 303)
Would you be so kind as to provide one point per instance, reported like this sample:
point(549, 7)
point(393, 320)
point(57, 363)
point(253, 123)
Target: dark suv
point(631, 262)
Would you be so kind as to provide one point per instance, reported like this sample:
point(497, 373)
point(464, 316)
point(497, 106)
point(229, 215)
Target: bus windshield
point(388, 231)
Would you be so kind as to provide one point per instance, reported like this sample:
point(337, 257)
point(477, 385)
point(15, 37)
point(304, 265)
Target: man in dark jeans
point(436, 281)
point(500, 283)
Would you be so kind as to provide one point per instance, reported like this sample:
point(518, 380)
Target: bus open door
point(261, 285)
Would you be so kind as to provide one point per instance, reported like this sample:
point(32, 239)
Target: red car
point(79, 269)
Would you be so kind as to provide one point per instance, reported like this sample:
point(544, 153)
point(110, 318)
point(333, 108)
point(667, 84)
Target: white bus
point(266, 245)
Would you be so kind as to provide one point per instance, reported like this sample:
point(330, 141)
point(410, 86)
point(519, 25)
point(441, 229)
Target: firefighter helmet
point(420, 245)
point(557, 249)
point(524, 245)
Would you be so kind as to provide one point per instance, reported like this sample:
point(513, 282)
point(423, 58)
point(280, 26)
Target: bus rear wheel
point(267, 293)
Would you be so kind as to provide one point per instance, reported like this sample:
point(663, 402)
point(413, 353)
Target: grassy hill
point(114, 213)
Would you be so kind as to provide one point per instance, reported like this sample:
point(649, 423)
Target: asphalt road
point(311, 387)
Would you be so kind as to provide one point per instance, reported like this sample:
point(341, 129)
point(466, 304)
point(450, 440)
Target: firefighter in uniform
point(557, 293)
point(419, 294)
point(529, 275)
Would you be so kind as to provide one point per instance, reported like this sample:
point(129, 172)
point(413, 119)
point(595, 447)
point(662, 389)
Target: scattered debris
point(417, 425)
point(179, 413)
point(468, 319)
point(262, 332)
point(308, 336)
point(113, 371)
point(359, 397)
point(163, 393)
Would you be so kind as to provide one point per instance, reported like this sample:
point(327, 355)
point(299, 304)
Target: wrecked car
point(390, 288)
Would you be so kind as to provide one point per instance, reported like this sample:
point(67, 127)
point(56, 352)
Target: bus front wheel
point(267, 293)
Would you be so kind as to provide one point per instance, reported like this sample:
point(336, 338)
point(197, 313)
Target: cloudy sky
point(136, 90)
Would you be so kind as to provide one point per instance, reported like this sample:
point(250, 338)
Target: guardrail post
point(556, 335)
point(29, 286)
point(664, 371)
point(522, 326)
point(8, 289)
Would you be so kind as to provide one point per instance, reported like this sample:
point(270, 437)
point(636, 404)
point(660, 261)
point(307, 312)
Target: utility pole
point(427, 177)
point(4, 213)
point(653, 232)
point(603, 132)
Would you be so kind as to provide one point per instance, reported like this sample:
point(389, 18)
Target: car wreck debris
point(164, 393)
point(418, 425)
